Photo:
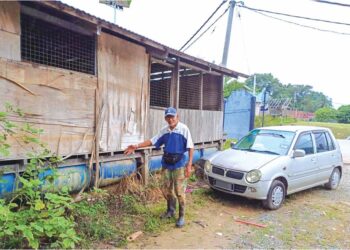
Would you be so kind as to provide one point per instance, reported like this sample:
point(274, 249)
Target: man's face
point(172, 120)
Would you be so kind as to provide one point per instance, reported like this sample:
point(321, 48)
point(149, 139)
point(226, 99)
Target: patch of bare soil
point(316, 218)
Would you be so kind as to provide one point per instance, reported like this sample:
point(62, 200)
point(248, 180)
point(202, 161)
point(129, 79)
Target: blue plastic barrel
point(155, 163)
point(209, 151)
point(7, 184)
point(74, 177)
point(111, 172)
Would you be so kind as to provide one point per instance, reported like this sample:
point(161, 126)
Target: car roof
point(292, 128)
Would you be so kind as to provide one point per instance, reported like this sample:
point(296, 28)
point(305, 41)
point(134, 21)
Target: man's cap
point(170, 111)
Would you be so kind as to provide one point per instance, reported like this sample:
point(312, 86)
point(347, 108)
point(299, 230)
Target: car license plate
point(223, 185)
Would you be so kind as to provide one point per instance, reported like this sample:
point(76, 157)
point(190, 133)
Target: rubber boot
point(171, 207)
point(181, 220)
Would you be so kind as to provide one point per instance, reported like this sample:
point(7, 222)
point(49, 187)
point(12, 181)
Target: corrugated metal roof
point(136, 37)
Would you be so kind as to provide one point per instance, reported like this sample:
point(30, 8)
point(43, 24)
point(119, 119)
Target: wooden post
point(221, 145)
point(97, 138)
point(177, 83)
point(201, 92)
point(145, 166)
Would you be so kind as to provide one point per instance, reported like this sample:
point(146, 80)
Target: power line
point(335, 3)
point(203, 24)
point(299, 24)
point(206, 30)
point(295, 16)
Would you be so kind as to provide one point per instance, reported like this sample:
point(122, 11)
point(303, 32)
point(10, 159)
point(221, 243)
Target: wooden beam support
point(201, 92)
point(145, 166)
point(155, 60)
point(176, 84)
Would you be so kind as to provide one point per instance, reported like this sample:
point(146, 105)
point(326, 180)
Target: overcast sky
point(259, 44)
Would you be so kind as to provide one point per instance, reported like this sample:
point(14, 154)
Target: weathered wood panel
point(204, 125)
point(59, 101)
point(9, 16)
point(123, 90)
point(10, 46)
point(10, 30)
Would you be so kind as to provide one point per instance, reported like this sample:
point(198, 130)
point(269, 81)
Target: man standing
point(176, 138)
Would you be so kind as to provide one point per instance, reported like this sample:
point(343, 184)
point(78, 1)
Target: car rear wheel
point(334, 180)
point(276, 195)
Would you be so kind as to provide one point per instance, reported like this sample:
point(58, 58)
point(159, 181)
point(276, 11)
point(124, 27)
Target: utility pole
point(114, 5)
point(266, 90)
point(264, 104)
point(228, 33)
point(254, 84)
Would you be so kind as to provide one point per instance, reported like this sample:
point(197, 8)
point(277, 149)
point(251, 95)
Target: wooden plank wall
point(204, 125)
point(123, 90)
point(59, 101)
point(10, 30)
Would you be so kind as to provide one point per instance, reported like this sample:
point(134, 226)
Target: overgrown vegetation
point(35, 215)
point(340, 130)
point(109, 217)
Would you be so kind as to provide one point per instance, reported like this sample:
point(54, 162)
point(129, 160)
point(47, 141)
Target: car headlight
point(253, 176)
point(207, 166)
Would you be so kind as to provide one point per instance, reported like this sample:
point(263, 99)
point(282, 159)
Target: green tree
point(326, 114)
point(344, 114)
point(303, 96)
point(262, 81)
point(231, 85)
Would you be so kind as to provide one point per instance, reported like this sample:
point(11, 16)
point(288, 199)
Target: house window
point(190, 89)
point(212, 92)
point(46, 43)
point(160, 82)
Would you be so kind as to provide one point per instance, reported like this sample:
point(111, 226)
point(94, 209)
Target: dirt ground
point(316, 218)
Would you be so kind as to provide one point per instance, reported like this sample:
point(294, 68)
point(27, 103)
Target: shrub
point(34, 216)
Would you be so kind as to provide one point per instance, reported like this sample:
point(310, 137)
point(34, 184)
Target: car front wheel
point(334, 180)
point(276, 195)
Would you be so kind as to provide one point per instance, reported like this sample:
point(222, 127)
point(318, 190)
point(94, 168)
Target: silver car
point(272, 162)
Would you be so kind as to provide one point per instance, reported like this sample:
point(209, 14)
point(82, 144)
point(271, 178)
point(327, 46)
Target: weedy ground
point(105, 218)
point(316, 218)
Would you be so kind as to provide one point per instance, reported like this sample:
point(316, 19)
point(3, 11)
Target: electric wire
point(216, 20)
point(334, 3)
point(222, 3)
point(295, 16)
point(299, 24)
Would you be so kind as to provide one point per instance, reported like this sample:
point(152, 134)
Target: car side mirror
point(299, 153)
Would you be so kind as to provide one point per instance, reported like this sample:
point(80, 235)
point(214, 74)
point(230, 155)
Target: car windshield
point(266, 141)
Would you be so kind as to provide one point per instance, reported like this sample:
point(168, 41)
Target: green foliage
point(303, 96)
point(263, 81)
point(135, 207)
point(193, 178)
point(34, 217)
point(230, 86)
point(273, 121)
point(344, 114)
point(326, 114)
point(94, 220)
point(227, 144)
point(132, 205)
